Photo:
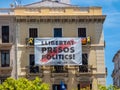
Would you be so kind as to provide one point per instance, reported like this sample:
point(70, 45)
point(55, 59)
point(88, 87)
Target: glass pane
point(57, 32)
point(32, 62)
point(5, 34)
point(33, 68)
point(85, 59)
point(33, 32)
point(5, 58)
point(2, 58)
point(81, 32)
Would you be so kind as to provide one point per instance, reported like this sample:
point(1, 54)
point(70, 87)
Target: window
point(57, 32)
point(33, 32)
point(33, 68)
point(81, 32)
point(116, 65)
point(119, 63)
point(5, 58)
point(5, 34)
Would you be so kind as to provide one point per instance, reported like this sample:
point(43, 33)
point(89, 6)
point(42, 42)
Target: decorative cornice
point(63, 19)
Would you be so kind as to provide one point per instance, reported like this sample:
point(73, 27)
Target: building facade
point(7, 46)
point(116, 71)
point(53, 18)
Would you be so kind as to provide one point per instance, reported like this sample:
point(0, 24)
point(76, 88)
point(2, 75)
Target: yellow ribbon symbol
point(30, 41)
point(88, 40)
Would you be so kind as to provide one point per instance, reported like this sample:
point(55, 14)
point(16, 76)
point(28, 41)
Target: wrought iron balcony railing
point(84, 40)
point(84, 68)
point(5, 71)
point(5, 11)
point(7, 43)
point(33, 69)
point(59, 69)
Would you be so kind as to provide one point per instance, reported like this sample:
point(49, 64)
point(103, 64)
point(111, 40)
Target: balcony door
point(84, 66)
point(58, 33)
point(33, 68)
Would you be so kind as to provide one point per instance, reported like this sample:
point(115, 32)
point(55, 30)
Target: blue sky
point(111, 8)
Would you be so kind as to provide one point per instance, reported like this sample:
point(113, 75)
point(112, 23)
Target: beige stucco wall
point(9, 21)
point(95, 50)
point(68, 30)
point(44, 11)
point(19, 31)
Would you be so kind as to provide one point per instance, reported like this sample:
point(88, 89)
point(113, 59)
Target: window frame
point(36, 32)
point(84, 67)
point(81, 35)
point(8, 36)
point(32, 67)
point(54, 32)
point(30, 59)
point(83, 58)
point(6, 52)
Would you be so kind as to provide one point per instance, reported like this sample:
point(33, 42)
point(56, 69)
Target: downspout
point(16, 50)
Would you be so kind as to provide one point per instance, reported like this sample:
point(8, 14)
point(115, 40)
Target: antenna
point(17, 3)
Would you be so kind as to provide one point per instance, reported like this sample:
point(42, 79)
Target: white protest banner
point(58, 51)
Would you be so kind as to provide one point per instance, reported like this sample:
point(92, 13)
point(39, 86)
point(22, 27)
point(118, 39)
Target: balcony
point(33, 71)
point(6, 43)
point(59, 71)
point(5, 71)
point(84, 40)
point(84, 69)
point(6, 11)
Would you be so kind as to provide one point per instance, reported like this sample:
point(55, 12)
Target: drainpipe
point(16, 49)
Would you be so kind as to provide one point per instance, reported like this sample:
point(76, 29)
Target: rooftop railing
point(6, 11)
